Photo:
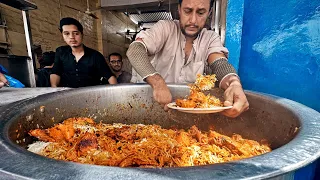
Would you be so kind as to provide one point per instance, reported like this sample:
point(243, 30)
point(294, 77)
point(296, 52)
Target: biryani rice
point(138, 145)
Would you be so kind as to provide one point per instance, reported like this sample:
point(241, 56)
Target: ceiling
point(144, 12)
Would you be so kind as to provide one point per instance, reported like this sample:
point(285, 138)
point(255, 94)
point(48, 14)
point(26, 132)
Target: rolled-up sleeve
point(215, 45)
point(155, 37)
point(57, 66)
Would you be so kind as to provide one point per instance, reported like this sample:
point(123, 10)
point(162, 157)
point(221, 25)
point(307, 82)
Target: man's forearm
point(54, 80)
point(155, 81)
point(224, 71)
point(229, 80)
point(3, 80)
point(161, 92)
point(139, 60)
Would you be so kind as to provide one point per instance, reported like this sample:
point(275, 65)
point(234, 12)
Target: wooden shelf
point(20, 4)
point(24, 6)
point(3, 42)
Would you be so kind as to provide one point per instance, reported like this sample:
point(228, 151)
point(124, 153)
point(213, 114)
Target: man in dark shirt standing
point(76, 65)
point(115, 60)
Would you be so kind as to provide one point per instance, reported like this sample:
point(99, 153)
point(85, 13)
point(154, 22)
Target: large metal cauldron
point(292, 129)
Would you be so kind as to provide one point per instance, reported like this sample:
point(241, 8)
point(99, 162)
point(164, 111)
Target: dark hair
point(114, 54)
point(211, 3)
point(70, 21)
point(47, 59)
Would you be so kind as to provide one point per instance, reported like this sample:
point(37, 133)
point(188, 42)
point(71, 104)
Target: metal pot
point(292, 129)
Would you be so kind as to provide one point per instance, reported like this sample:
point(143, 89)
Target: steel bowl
point(292, 129)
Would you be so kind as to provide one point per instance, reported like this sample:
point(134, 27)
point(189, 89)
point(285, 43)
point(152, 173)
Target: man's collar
point(85, 49)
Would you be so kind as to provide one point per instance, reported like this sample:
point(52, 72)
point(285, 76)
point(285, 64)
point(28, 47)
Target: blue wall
point(234, 30)
point(280, 51)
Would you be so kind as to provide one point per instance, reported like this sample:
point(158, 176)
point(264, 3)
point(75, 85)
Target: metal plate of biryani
point(213, 109)
point(198, 101)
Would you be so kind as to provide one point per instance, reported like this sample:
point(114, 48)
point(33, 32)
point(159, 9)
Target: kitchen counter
point(10, 95)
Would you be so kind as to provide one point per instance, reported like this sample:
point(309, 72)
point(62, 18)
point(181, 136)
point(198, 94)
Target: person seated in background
point(47, 60)
point(3, 80)
point(115, 61)
point(76, 65)
point(46, 64)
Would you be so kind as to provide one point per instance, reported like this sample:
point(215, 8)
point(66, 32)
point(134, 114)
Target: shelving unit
point(25, 6)
point(20, 4)
point(3, 37)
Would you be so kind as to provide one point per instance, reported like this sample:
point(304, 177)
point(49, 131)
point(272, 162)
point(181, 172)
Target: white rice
point(38, 146)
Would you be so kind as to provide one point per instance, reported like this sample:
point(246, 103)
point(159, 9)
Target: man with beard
point(115, 61)
point(76, 65)
point(176, 51)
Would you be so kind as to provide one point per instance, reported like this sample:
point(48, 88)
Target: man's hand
point(54, 80)
point(161, 92)
point(3, 80)
point(112, 80)
point(234, 96)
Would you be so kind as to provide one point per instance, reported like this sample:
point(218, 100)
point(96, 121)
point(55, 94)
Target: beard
point(183, 30)
point(117, 70)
